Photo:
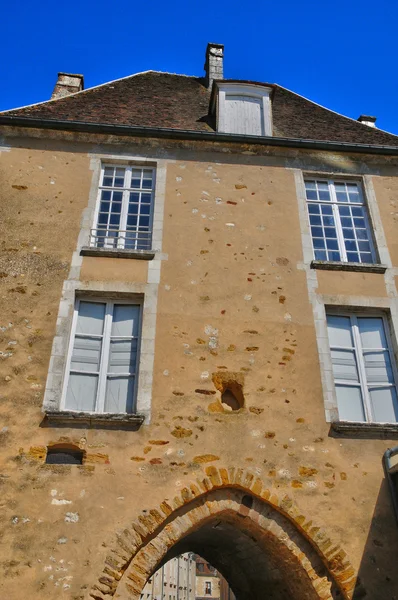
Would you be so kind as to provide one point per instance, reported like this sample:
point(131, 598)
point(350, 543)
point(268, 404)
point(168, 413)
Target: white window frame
point(258, 92)
point(125, 202)
point(106, 335)
point(358, 352)
point(334, 203)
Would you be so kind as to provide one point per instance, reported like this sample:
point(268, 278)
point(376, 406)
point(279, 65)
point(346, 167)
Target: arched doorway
point(261, 544)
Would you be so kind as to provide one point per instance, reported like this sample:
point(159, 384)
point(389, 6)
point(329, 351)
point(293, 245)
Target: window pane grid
point(338, 222)
point(124, 214)
point(373, 395)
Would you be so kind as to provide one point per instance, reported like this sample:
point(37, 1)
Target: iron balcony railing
point(136, 239)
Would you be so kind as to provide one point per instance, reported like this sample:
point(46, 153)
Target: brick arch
point(150, 540)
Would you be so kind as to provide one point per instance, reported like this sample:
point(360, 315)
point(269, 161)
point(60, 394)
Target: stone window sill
point(69, 418)
point(329, 265)
point(118, 253)
point(386, 431)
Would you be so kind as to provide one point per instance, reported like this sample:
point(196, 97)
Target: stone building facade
point(175, 580)
point(198, 340)
point(207, 581)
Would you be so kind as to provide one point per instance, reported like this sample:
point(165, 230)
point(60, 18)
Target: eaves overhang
point(208, 136)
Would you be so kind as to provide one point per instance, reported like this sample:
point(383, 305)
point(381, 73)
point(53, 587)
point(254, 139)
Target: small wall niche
point(231, 387)
point(247, 501)
point(64, 455)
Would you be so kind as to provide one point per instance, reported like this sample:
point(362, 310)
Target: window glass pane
point(125, 320)
point(341, 197)
point(348, 234)
point(357, 211)
point(320, 255)
point(312, 195)
point(106, 195)
point(315, 220)
point(352, 256)
point(91, 318)
point(331, 244)
point(344, 211)
point(326, 209)
point(114, 220)
point(366, 258)
point(349, 402)
point(82, 392)
point(86, 354)
point(316, 231)
point(344, 365)
point(372, 334)
point(362, 234)
point(339, 330)
point(378, 367)
point(117, 196)
point(119, 394)
point(384, 404)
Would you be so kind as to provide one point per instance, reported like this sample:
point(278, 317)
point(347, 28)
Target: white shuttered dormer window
point(244, 109)
point(103, 357)
point(363, 368)
point(124, 212)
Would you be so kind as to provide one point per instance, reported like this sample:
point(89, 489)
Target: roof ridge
point(332, 111)
point(95, 87)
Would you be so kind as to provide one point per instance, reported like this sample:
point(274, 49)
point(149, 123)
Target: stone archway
point(279, 551)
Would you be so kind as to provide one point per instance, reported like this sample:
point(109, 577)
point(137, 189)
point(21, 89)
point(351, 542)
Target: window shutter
point(244, 115)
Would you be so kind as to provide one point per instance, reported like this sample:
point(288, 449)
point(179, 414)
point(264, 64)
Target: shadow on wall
point(378, 571)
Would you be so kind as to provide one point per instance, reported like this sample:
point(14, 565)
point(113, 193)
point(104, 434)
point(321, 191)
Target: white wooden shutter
point(243, 114)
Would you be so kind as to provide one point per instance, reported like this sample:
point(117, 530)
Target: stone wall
point(234, 306)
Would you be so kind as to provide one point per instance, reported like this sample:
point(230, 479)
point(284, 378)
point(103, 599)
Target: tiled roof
point(164, 100)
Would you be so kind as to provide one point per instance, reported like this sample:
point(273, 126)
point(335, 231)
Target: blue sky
point(341, 53)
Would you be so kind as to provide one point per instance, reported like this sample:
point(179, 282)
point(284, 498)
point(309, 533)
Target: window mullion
point(123, 219)
point(103, 370)
point(361, 369)
point(336, 216)
point(339, 232)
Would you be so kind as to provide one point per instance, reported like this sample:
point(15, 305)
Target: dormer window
point(244, 109)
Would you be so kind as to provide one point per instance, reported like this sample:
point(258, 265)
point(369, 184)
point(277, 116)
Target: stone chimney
point(67, 83)
point(214, 65)
point(367, 120)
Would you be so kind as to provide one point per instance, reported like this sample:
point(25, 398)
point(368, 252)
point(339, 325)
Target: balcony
point(119, 243)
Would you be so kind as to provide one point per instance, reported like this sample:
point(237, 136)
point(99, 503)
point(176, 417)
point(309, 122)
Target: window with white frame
point(102, 361)
point(364, 368)
point(339, 221)
point(124, 211)
point(208, 587)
